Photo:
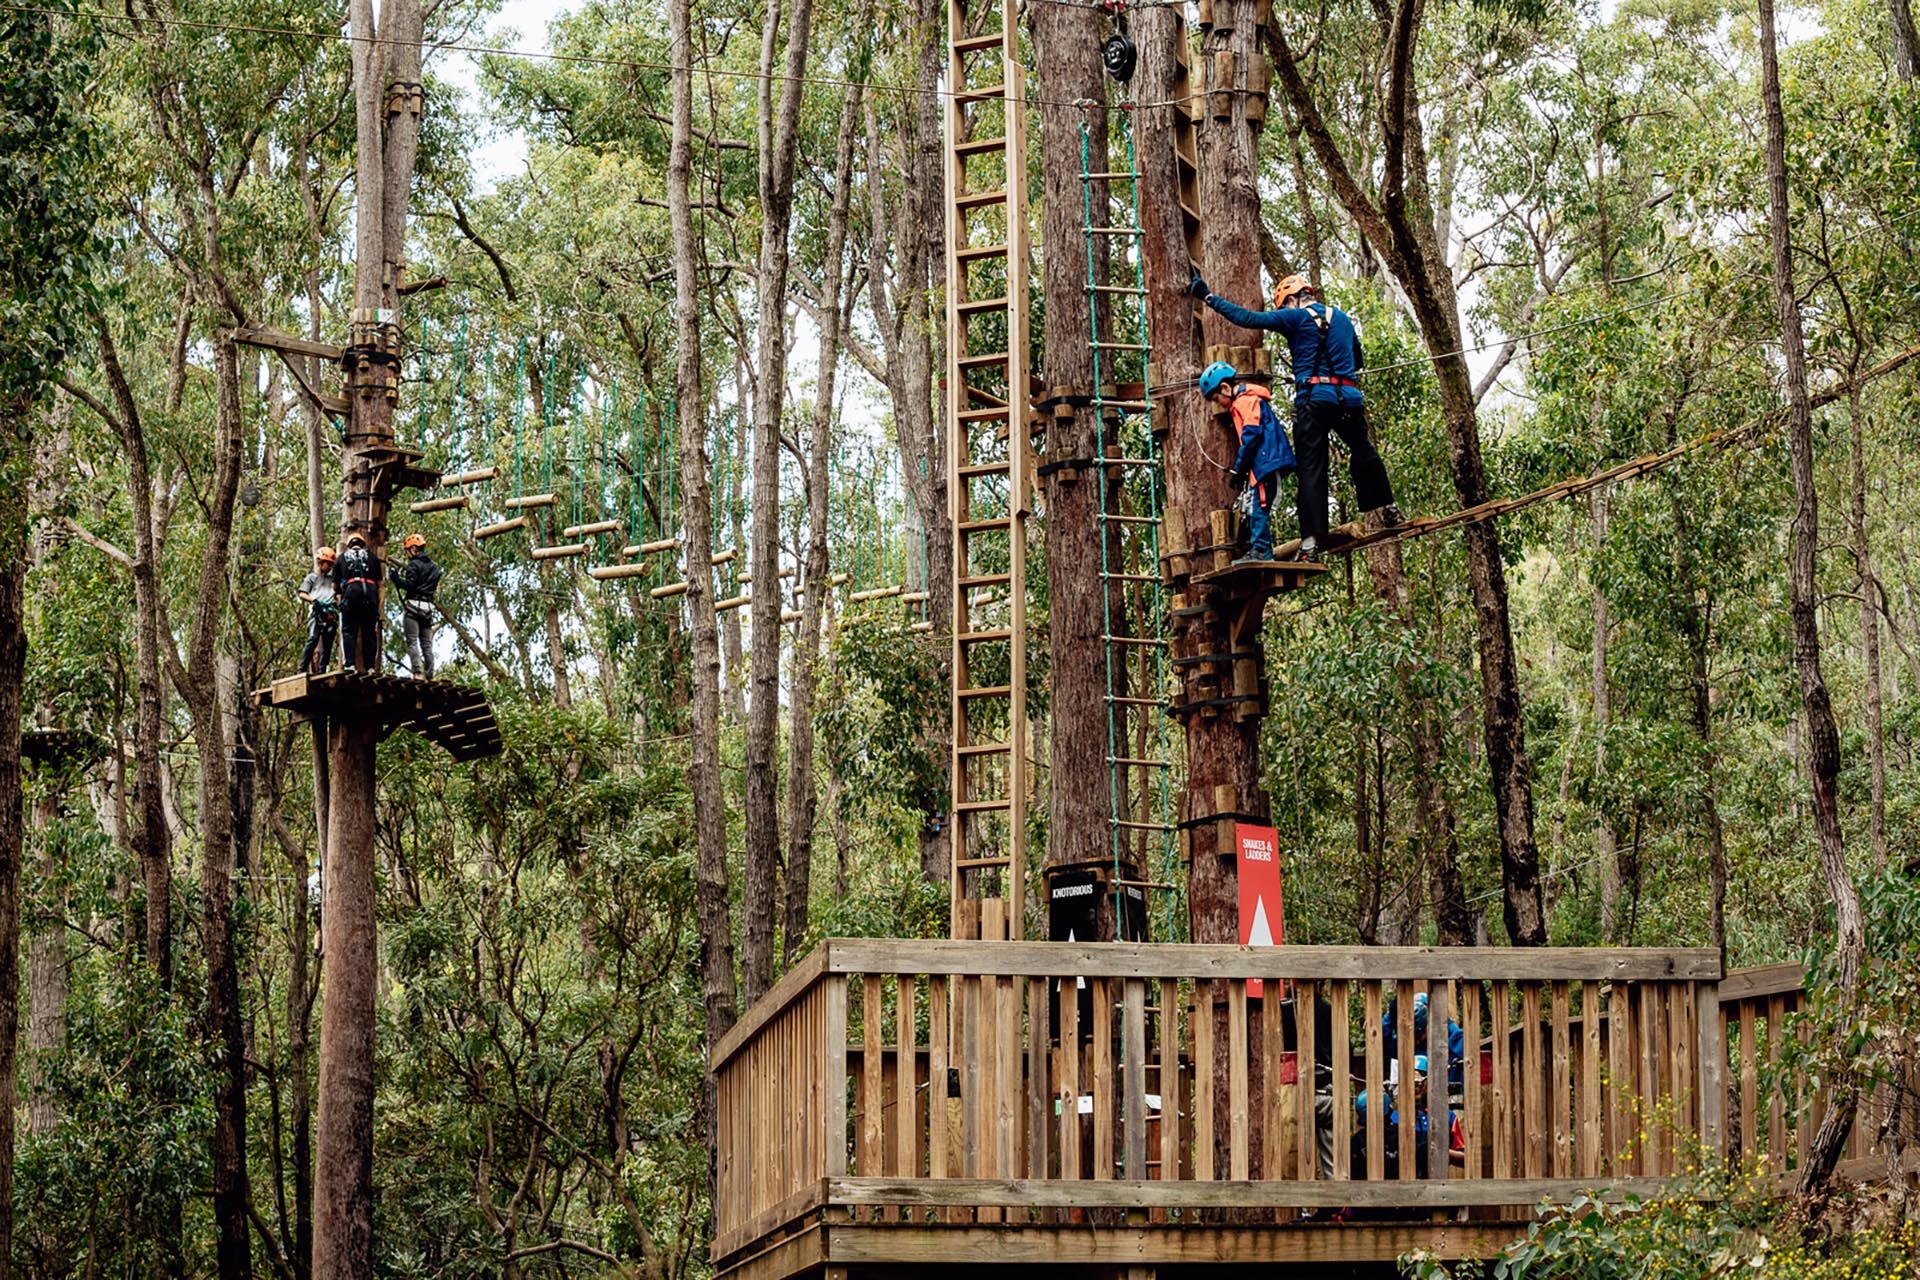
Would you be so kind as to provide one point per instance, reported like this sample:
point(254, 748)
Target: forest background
point(549, 977)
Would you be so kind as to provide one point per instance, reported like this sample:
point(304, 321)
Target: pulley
point(1119, 53)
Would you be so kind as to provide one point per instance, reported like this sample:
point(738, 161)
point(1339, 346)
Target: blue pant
point(1260, 520)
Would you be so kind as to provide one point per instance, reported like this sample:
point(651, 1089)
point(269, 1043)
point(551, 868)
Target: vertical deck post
point(834, 1113)
point(1713, 1066)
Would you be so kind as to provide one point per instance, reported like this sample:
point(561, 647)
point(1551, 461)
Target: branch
point(473, 645)
point(554, 1246)
point(485, 246)
point(98, 543)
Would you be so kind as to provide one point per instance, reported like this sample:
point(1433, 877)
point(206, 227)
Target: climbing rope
point(1119, 529)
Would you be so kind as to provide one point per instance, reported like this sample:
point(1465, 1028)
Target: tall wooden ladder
point(991, 484)
point(1132, 494)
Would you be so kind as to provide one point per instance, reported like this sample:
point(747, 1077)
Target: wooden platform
point(1255, 577)
point(53, 746)
point(454, 716)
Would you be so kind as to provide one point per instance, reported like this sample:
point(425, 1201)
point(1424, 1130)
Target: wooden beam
point(286, 343)
point(1081, 1248)
point(1767, 980)
point(1163, 960)
point(1142, 1193)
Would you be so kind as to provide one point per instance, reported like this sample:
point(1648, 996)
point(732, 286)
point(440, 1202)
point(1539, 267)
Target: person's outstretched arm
point(1275, 321)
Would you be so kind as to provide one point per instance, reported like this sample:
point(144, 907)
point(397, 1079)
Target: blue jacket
point(1336, 353)
point(1264, 447)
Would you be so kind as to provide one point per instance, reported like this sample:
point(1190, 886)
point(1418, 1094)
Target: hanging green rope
point(454, 455)
point(519, 412)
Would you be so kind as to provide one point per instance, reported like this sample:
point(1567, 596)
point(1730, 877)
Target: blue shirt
point(1335, 353)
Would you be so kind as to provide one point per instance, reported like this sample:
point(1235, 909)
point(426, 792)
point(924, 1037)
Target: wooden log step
point(982, 806)
point(985, 637)
point(966, 864)
point(985, 93)
point(784, 573)
point(648, 548)
point(980, 307)
point(589, 530)
point(983, 749)
point(921, 626)
point(471, 477)
point(914, 597)
point(974, 44)
point(983, 691)
point(560, 551)
point(984, 580)
point(607, 572)
point(791, 615)
point(527, 501)
point(978, 252)
point(437, 504)
point(970, 200)
point(671, 589)
point(839, 579)
point(876, 593)
point(504, 526)
point(723, 557)
point(731, 603)
point(980, 146)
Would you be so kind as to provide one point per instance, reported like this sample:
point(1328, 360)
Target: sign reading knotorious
point(1262, 918)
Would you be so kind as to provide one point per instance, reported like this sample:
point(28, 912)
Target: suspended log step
point(839, 579)
point(471, 477)
point(724, 557)
point(648, 548)
point(921, 626)
point(590, 530)
point(877, 593)
point(914, 597)
point(607, 572)
point(731, 603)
point(791, 615)
point(748, 576)
point(438, 504)
point(671, 589)
point(504, 526)
point(528, 501)
point(560, 551)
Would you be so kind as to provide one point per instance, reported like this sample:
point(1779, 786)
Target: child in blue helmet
point(1265, 453)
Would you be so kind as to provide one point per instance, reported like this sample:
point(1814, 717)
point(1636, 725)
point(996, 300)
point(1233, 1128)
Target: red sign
point(1262, 916)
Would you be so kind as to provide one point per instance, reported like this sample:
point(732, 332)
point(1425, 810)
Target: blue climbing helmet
point(1215, 376)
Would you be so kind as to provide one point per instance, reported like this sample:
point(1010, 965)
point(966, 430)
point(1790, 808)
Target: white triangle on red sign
point(1261, 934)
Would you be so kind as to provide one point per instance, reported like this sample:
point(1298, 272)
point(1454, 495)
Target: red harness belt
point(1318, 381)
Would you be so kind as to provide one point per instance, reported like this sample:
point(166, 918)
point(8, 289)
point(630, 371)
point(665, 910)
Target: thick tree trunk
point(1605, 844)
point(814, 571)
point(46, 982)
point(1823, 734)
point(1906, 40)
point(1081, 786)
point(16, 465)
point(1868, 586)
point(779, 134)
point(709, 804)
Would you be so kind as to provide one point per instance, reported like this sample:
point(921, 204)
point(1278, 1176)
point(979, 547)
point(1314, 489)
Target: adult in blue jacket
point(1326, 356)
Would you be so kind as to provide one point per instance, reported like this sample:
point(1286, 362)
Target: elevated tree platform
point(55, 746)
point(456, 717)
point(1260, 577)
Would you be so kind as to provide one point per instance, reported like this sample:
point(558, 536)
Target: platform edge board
point(798, 1254)
point(1153, 1194)
point(1215, 960)
point(1078, 1245)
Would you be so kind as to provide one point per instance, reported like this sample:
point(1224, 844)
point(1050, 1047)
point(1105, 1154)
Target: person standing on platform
point(418, 580)
point(323, 619)
point(1264, 455)
point(356, 582)
point(1327, 356)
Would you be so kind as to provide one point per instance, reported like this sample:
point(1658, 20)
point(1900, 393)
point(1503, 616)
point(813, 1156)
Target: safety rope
point(1121, 530)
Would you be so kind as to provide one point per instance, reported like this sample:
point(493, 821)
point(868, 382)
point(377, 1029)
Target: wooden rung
point(748, 577)
point(985, 93)
point(984, 637)
point(921, 626)
point(974, 253)
point(839, 579)
point(1143, 764)
point(529, 500)
point(974, 44)
point(604, 572)
point(1144, 826)
point(985, 469)
point(985, 580)
point(1138, 702)
point(671, 589)
point(983, 749)
point(968, 200)
point(984, 691)
point(731, 603)
point(504, 526)
point(999, 524)
point(438, 504)
point(875, 594)
point(968, 863)
point(648, 548)
point(980, 306)
point(983, 806)
point(914, 597)
point(723, 557)
point(996, 414)
point(980, 146)
point(470, 477)
point(560, 551)
point(985, 360)
point(589, 530)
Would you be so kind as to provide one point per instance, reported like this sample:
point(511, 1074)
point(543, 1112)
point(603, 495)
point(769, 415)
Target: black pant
point(360, 635)
point(320, 631)
point(1311, 425)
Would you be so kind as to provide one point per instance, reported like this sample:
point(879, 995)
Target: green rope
point(519, 412)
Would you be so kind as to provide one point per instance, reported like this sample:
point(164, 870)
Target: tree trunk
point(1868, 586)
point(46, 982)
point(1906, 41)
point(814, 572)
point(709, 804)
point(1401, 227)
point(1081, 785)
point(1605, 843)
point(1823, 735)
point(16, 465)
point(778, 139)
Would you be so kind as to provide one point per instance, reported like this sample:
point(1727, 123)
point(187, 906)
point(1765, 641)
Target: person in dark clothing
point(1264, 455)
point(418, 580)
point(1323, 1033)
point(1327, 356)
point(324, 618)
point(1456, 1039)
point(356, 583)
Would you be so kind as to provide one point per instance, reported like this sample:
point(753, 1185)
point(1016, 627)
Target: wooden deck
point(456, 717)
point(898, 1104)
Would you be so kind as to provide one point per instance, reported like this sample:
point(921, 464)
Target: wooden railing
point(1020, 1082)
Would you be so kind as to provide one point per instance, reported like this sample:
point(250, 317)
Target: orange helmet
point(1290, 287)
point(413, 540)
point(327, 554)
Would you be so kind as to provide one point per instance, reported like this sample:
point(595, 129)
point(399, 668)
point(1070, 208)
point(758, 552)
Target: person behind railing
point(1456, 1040)
point(1456, 1140)
point(1322, 1072)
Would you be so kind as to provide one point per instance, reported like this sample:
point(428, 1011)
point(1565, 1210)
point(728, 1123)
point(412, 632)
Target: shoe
point(1255, 556)
point(1390, 516)
point(1309, 552)
point(349, 670)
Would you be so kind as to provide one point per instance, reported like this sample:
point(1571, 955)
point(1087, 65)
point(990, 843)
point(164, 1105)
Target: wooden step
point(979, 252)
point(985, 93)
point(968, 864)
point(985, 360)
point(967, 201)
point(980, 146)
point(974, 44)
point(984, 691)
point(984, 637)
point(980, 307)
point(986, 580)
point(985, 469)
point(983, 749)
point(996, 525)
